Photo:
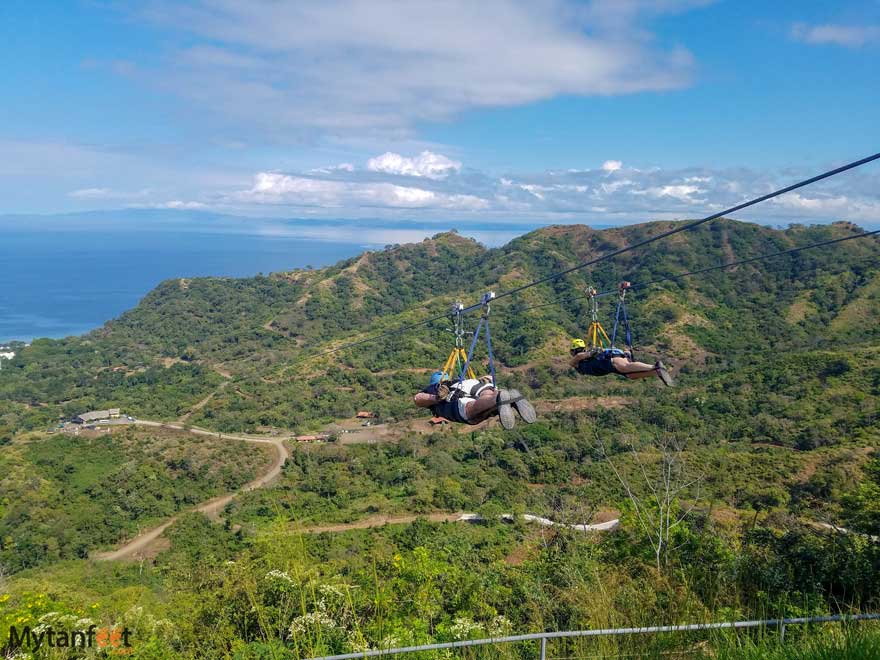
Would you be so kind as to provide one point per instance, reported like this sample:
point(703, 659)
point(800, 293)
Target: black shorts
point(448, 410)
point(600, 365)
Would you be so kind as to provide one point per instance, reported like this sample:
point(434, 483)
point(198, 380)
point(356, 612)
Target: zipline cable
point(608, 255)
point(728, 264)
point(692, 225)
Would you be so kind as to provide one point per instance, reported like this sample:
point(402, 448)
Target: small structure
point(96, 415)
point(319, 437)
point(365, 415)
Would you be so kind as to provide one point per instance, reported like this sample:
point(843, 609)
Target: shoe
point(660, 368)
point(505, 411)
point(525, 409)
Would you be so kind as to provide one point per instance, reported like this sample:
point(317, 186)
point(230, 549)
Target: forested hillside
point(767, 443)
point(175, 348)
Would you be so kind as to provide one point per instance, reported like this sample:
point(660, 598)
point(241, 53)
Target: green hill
point(175, 347)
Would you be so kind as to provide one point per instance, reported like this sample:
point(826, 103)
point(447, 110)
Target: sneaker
point(505, 411)
point(525, 409)
point(660, 368)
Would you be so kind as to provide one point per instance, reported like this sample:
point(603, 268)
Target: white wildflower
point(499, 626)
point(302, 624)
point(357, 643)
point(330, 590)
point(280, 577)
point(464, 628)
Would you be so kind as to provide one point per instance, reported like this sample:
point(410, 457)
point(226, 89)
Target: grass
point(850, 643)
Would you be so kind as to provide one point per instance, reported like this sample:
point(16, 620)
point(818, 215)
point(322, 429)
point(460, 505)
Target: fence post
point(782, 632)
point(543, 648)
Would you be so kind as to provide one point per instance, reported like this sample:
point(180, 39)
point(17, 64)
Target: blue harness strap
point(491, 356)
point(484, 320)
point(470, 354)
point(621, 312)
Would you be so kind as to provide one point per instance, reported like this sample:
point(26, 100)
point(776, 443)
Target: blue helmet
point(436, 377)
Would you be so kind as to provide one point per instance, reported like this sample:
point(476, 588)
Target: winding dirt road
point(145, 543)
point(139, 545)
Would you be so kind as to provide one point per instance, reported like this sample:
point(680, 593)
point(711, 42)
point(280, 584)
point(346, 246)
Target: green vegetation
point(66, 496)
point(260, 329)
point(773, 427)
point(236, 597)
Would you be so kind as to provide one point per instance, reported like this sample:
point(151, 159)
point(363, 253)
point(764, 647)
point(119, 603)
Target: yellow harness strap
point(454, 362)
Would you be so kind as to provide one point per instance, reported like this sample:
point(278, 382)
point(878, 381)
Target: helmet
point(436, 377)
point(578, 343)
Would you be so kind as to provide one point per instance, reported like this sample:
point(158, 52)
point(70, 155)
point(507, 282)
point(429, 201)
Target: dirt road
point(141, 545)
point(461, 516)
point(380, 520)
point(145, 544)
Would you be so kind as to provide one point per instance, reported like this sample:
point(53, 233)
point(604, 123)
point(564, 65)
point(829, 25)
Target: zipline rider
point(601, 357)
point(472, 401)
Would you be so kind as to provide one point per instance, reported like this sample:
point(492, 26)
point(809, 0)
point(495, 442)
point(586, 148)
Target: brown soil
point(379, 520)
point(144, 546)
point(582, 403)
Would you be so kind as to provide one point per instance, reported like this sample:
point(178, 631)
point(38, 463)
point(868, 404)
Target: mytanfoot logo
point(113, 639)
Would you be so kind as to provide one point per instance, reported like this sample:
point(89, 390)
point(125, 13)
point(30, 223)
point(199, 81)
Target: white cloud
point(596, 195)
point(611, 165)
point(426, 164)
point(297, 190)
point(681, 192)
point(178, 204)
point(430, 186)
point(342, 167)
point(379, 65)
point(850, 36)
point(92, 193)
point(109, 194)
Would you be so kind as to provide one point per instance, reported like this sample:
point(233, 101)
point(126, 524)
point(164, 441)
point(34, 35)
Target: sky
point(542, 111)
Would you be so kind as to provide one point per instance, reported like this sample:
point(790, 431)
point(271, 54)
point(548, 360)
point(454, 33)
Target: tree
point(655, 493)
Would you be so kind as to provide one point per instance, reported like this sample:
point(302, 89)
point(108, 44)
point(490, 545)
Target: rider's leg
point(484, 403)
point(633, 370)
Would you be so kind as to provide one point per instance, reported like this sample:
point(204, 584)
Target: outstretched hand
point(443, 391)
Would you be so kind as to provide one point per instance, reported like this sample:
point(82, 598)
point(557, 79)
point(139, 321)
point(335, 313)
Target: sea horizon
point(65, 275)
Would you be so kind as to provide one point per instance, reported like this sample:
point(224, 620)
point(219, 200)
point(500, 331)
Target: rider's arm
point(425, 400)
point(578, 358)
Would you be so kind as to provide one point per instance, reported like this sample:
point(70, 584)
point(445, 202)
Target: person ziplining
point(598, 356)
point(466, 399)
point(473, 401)
point(628, 366)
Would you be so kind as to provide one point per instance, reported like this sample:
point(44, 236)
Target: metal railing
point(542, 638)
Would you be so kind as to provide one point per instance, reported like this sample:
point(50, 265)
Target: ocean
point(59, 283)
point(66, 275)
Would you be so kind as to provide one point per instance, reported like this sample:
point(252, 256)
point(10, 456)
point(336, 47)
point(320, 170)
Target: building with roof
point(96, 416)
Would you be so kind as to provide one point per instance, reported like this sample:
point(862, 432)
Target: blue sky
point(543, 111)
